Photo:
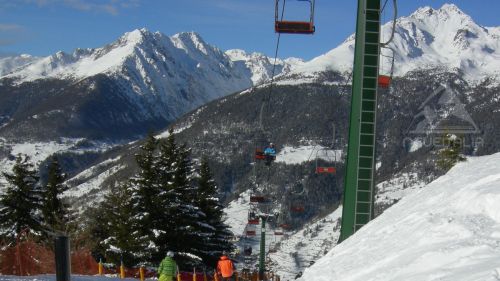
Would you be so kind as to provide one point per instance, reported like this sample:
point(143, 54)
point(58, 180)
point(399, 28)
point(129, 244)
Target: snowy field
point(447, 231)
point(297, 155)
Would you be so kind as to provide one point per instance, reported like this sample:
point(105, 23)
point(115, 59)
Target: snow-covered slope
point(11, 63)
point(142, 46)
point(298, 250)
point(259, 66)
point(152, 62)
point(429, 38)
point(448, 230)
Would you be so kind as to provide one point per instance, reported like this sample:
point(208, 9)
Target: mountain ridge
point(426, 39)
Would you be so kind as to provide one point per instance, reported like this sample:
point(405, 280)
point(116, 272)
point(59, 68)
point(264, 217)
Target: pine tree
point(21, 203)
point(192, 230)
point(179, 228)
point(451, 153)
point(124, 239)
point(56, 214)
point(166, 233)
point(209, 204)
point(144, 185)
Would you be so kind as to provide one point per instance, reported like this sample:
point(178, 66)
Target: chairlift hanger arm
point(395, 9)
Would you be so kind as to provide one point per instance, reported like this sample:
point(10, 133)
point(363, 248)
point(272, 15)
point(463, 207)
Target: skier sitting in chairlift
point(270, 153)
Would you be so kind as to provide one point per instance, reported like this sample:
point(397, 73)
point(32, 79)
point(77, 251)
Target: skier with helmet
point(270, 154)
point(168, 268)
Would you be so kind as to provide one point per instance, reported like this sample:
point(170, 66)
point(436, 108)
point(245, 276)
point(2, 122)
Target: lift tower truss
point(360, 172)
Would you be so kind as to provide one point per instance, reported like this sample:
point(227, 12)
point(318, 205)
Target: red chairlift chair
point(294, 27)
point(384, 80)
point(297, 208)
point(259, 154)
point(329, 158)
point(256, 198)
point(326, 170)
point(285, 226)
point(253, 218)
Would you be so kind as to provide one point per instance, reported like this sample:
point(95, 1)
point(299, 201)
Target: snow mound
point(449, 230)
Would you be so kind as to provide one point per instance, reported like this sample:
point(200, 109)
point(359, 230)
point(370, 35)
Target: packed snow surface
point(237, 213)
point(298, 250)
point(449, 230)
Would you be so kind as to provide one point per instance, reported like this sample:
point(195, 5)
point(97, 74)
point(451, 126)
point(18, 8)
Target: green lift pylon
point(359, 181)
point(262, 254)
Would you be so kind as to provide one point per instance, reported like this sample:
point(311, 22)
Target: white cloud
point(111, 7)
point(10, 33)
point(4, 27)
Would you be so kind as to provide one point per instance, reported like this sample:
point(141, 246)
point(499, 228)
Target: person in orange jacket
point(225, 267)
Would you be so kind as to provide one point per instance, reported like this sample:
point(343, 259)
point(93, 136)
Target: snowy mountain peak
point(445, 38)
point(260, 65)
point(191, 41)
point(136, 36)
point(447, 9)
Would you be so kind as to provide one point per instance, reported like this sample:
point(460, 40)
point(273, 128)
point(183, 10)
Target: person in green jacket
point(168, 268)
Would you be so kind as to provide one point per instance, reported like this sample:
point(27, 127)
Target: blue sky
point(42, 27)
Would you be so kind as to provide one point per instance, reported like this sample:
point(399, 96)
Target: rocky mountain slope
point(140, 82)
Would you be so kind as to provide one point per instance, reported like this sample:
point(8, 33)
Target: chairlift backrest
point(330, 158)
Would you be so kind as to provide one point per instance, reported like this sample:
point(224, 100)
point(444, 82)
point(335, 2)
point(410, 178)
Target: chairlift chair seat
point(253, 221)
point(259, 154)
point(298, 209)
point(326, 170)
point(257, 199)
point(294, 27)
point(384, 81)
point(291, 26)
point(285, 226)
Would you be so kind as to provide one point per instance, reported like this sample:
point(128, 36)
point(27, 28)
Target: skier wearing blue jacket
point(270, 154)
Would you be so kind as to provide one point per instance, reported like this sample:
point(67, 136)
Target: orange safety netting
point(26, 258)
point(30, 258)
point(83, 263)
